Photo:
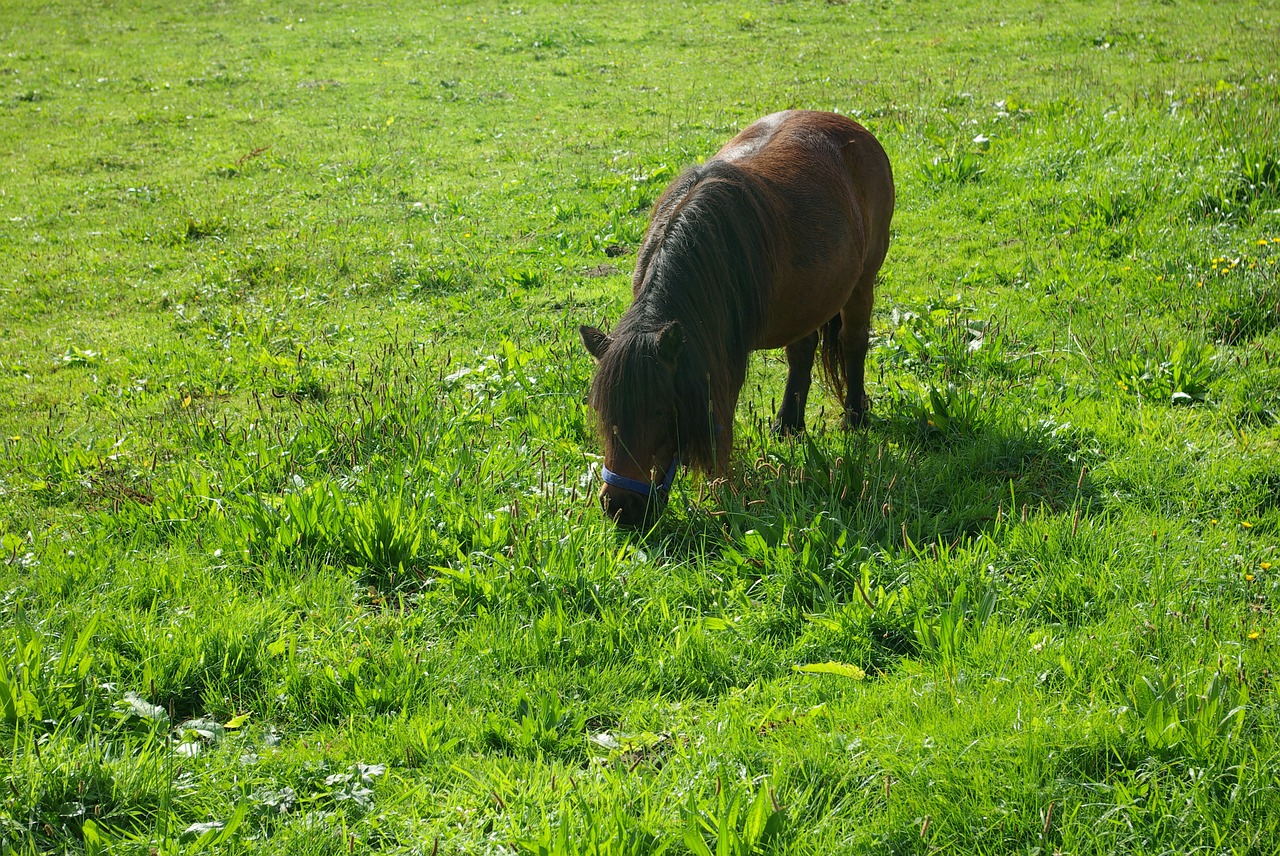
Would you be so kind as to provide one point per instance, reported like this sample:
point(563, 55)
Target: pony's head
point(636, 398)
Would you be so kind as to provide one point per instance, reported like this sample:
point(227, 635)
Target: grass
point(299, 546)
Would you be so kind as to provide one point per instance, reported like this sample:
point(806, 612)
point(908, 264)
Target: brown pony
point(773, 241)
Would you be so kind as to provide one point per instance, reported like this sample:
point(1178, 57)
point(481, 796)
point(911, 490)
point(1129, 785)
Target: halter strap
point(642, 488)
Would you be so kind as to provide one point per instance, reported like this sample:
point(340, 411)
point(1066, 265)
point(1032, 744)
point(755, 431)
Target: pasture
point(299, 544)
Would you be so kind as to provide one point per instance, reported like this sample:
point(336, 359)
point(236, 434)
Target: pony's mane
point(705, 264)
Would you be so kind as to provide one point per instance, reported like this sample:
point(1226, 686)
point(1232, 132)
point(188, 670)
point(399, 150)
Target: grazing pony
point(773, 243)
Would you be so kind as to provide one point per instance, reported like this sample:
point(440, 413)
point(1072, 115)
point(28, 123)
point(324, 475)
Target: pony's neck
point(706, 264)
point(709, 335)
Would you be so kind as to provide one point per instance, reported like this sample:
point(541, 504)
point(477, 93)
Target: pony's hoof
point(855, 419)
point(787, 429)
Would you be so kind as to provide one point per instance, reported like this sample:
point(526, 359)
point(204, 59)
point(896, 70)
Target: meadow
point(299, 546)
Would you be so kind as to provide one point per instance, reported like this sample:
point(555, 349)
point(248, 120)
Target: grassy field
point(299, 551)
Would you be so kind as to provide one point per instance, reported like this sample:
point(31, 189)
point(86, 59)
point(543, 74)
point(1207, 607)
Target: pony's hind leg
point(799, 378)
point(855, 335)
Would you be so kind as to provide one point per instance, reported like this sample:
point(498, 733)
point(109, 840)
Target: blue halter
point(642, 488)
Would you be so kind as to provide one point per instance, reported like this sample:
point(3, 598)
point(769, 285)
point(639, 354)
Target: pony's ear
point(595, 341)
point(670, 341)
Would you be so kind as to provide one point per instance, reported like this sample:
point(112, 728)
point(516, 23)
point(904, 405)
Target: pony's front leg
point(799, 378)
point(723, 432)
point(724, 450)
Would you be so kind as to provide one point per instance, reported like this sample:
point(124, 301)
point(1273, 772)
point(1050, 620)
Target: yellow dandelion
point(1266, 566)
point(1248, 578)
point(1246, 524)
point(1213, 522)
point(1255, 635)
point(1262, 242)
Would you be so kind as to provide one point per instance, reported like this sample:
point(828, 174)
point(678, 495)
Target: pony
point(775, 242)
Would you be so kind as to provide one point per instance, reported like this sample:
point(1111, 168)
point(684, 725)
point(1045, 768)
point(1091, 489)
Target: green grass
point(299, 550)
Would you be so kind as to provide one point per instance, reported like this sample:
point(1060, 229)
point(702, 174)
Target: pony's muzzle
point(631, 502)
point(628, 508)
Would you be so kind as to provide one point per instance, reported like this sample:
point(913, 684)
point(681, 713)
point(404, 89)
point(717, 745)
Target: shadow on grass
point(798, 528)
point(897, 480)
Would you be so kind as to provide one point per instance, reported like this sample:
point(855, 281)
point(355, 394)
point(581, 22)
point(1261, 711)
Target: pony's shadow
point(899, 482)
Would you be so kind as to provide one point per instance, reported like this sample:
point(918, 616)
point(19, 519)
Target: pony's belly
point(802, 306)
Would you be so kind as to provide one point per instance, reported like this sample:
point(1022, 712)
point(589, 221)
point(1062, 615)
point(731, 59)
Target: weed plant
point(299, 551)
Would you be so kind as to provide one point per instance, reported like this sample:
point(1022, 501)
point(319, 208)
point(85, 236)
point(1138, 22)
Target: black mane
point(706, 264)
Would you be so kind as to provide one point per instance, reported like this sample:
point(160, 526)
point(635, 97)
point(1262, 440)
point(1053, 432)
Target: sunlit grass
point(299, 549)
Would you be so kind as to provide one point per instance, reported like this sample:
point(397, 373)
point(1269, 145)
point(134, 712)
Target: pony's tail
point(833, 370)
